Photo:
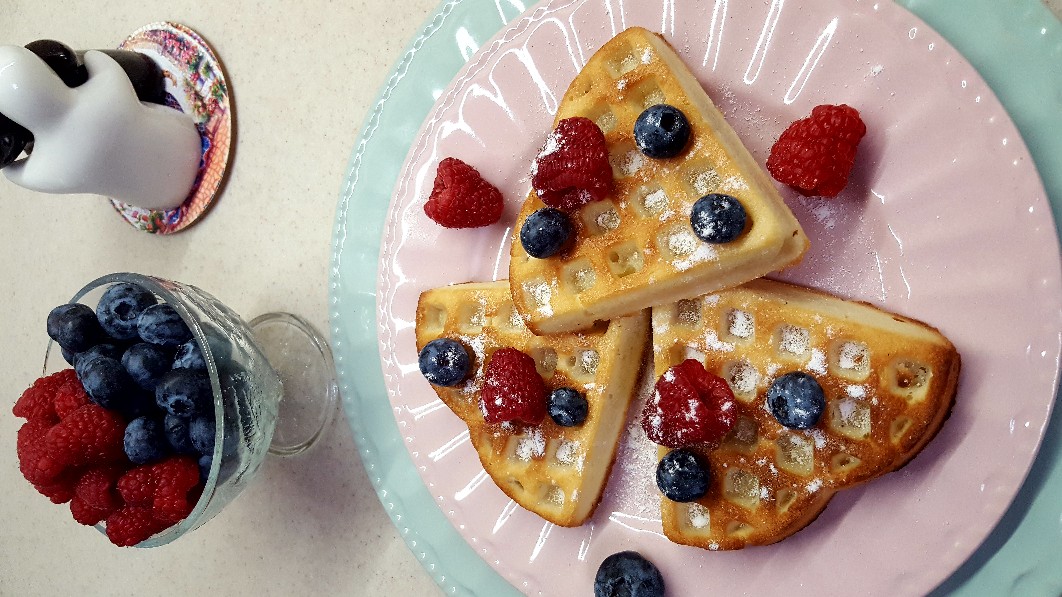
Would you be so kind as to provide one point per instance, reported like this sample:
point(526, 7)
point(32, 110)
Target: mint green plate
point(1015, 44)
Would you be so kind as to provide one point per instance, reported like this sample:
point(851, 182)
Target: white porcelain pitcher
point(97, 138)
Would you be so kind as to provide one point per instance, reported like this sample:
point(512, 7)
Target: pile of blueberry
point(135, 355)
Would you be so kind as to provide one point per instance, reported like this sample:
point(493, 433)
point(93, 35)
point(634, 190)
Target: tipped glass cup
point(273, 383)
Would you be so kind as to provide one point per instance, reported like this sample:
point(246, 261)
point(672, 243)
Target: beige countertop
point(303, 80)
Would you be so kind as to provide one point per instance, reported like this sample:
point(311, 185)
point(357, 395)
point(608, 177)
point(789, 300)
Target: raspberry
point(37, 401)
point(175, 479)
point(137, 486)
point(573, 168)
point(689, 406)
point(70, 396)
point(461, 198)
point(30, 448)
point(86, 514)
point(814, 155)
point(97, 488)
point(167, 488)
point(60, 489)
point(90, 435)
point(131, 525)
point(512, 389)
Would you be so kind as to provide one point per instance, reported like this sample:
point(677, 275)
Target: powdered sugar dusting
point(697, 515)
point(818, 362)
point(712, 341)
point(631, 162)
point(570, 453)
point(793, 339)
point(856, 391)
point(703, 253)
point(741, 323)
point(531, 446)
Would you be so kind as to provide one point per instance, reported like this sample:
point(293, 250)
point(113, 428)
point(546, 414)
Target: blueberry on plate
point(106, 381)
point(681, 476)
point(661, 131)
point(145, 441)
point(74, 327)
point(201, 430)
point(444, 362)
point(628, 574)
point(146, 363)
point(718, 218)
point(161, 324)
point(189, 356)
point(184, 392)
point(120, 308)
point(796, 400)
point(545, 232)
point(567, 407)
point(177, 434)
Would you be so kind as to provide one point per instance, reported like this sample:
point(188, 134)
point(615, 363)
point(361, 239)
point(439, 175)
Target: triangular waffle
point(889, 383)
point(636, 248)
point(556, 472)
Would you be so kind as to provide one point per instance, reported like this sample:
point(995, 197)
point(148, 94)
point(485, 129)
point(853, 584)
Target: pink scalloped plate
point(944, 220)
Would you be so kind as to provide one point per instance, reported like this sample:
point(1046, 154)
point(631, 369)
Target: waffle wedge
point(636, 248)
point(889, 383)
point(556, 472)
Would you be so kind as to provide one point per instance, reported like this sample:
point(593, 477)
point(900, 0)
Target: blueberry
point(68, 355)
point(81, 359)
point(718, 218)
point(177, 434)
point(201, 430)
point(146, 363)
point(120, 307)
point(661, 131)
point(189, 356)
point(205, 462)
point(161, 324)
point(444, 362)
point(74, 327)
point(106, 382)
point(567, 407)
point(184, 392)
point(796, 400)
point(628, 574)
point(681, 476)
point(545, 232)
point(145, 441)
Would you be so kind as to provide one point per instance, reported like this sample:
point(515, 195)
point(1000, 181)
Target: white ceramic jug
point(97, 138)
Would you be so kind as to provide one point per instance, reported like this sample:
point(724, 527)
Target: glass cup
point(251, 399)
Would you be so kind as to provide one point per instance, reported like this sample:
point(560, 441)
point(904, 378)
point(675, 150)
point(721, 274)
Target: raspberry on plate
point(461, 198)
point(689, 406)
point(573, 168)
point(814, 155)
point(512, 389)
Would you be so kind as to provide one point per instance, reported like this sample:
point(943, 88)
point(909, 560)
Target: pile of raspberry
point(71, 451)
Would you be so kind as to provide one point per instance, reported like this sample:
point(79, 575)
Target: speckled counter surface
point(302, 80)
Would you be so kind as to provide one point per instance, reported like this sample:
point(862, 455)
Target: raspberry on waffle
point(636, 247)
point(554, 471)
point(888, 384)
